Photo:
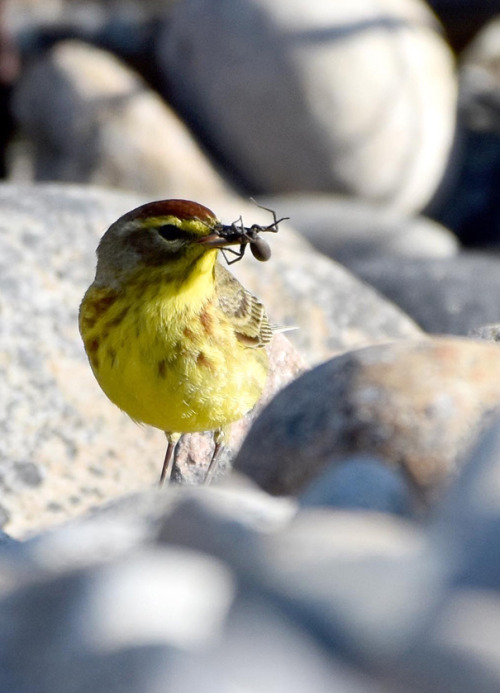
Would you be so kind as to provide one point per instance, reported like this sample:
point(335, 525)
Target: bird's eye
point(170, 232)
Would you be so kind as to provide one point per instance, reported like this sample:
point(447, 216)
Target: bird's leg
point(168, 462)
point(219, 436)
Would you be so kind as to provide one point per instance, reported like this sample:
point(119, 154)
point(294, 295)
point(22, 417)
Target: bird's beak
point(214, 240)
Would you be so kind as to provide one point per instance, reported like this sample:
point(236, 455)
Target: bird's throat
point(183, 291)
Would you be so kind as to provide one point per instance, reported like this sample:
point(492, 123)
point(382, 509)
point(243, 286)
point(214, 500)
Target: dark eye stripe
point(171, 233)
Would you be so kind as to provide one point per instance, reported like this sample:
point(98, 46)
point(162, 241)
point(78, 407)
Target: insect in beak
point(238, 234)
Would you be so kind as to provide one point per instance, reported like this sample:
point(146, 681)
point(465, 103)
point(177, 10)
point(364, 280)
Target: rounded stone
point(360, 483)
point(418, 405)
point(92, 119)
point(443, 295)
point(349, 96)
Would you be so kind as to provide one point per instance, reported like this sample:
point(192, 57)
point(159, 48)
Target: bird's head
point(169, 234)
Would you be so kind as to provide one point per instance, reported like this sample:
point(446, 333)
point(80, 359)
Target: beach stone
point(264, 649)
point(120, 616)
point(229, 582)
point(480, 79)
point(443, 295)
point(471, 207)
point(25, 14)
point(459, 651)
point(360, 482)
point(346, 228)
point(418, 405)
point(112, 627)
point(6, 540)
point(91, 119)
point(468, 520)
point(284, 114)
point(359, 580)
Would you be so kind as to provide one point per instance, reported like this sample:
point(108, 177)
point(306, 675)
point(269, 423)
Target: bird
point(172, 337)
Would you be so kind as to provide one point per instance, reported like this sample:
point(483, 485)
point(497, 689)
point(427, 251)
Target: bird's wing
point(246, 314)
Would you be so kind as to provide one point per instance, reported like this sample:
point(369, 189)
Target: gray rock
point(166, 619)
point(444, 296)
point(360, 482)
point(91, 119)
point(459, 650)
point(224, 587)
point(264, 650)
point(480, 79)
point(418, 405)
point(115, 627)
point(350, 229)
point(7, 540)
point(362, 582)
point(286, 114)
point(26, 15)
point(471, 207)
point(468, 522)
point(108, 609)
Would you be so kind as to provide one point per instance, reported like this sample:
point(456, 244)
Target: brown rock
point(418, 404)
point(91, 119)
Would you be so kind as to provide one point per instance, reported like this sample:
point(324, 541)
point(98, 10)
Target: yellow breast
point(168, 356)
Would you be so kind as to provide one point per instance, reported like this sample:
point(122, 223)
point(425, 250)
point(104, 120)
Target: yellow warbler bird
point(172, 337)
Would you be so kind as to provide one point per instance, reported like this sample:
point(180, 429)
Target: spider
point(249, 235)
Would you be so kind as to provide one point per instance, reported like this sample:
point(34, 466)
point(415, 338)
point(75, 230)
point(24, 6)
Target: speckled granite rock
point(417, 405)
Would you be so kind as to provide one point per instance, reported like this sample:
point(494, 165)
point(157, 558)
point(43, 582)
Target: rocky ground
point(350, 540)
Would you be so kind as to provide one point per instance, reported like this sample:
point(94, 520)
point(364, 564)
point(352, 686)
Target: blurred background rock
point(264, 98)
point(284, 96)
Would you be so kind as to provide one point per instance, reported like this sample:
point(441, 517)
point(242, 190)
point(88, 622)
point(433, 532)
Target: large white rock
point(352, 96)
